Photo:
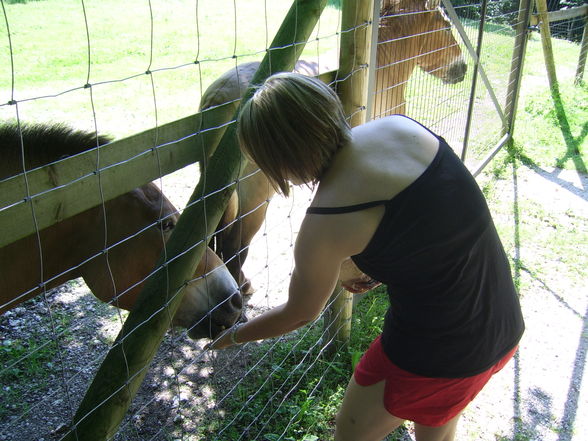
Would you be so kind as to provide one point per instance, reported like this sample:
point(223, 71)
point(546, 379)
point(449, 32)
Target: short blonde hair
point(291, 128)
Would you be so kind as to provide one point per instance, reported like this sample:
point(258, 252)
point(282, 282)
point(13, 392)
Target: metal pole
point(501, 143)
point(450, 10)
point(466, 135)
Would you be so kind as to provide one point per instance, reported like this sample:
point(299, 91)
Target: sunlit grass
point(58, 47)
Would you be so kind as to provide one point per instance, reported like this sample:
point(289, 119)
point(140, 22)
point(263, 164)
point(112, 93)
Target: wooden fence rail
point(543, 18)
point(75, 184)
point(562, 14)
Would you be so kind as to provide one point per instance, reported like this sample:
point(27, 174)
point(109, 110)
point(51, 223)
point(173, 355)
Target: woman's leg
point(445, 432)
point(362, 416)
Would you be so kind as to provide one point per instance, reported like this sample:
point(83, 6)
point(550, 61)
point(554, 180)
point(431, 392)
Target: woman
point(394, 197)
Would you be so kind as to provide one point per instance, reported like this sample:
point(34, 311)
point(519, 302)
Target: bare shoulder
point(384, 157)
point(396, 133)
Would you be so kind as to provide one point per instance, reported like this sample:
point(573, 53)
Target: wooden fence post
point(546, 42)
point(352, 87)
point(337, 320)
point(354, 58)
point(125, 366)
point(583, 51)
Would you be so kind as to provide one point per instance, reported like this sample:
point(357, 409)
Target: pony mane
point(41, 144)
point(401, 18)
point(399, 6)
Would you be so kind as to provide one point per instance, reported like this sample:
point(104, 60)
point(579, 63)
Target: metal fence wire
point(77, 75)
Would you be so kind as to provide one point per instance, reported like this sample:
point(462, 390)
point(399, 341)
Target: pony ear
point(432, 4)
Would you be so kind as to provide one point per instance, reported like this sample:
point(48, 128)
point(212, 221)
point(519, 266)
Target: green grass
point(549, 131)
point(302, 389)
point(556, 135)
point(29, 360)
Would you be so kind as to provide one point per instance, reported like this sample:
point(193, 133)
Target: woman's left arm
point(317, 256)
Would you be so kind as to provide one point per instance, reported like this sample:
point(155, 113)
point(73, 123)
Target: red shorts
point(424, 400)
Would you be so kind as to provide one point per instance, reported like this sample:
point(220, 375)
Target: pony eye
point(167, 225)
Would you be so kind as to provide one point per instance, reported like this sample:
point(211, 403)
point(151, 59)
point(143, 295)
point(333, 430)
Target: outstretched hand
point(221, 342)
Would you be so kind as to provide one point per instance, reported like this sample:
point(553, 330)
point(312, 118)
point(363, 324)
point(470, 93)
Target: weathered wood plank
point(354, 58)
point(562, 14)
point(582, 57)
point(546, 43)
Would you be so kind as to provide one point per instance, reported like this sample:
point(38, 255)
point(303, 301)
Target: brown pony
point(114, 247)
point(413, 33)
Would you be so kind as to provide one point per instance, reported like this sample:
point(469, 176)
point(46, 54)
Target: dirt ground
point(541, 396)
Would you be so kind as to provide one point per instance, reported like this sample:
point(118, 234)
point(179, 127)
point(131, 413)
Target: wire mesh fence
point(54, 343)
point(121, 68)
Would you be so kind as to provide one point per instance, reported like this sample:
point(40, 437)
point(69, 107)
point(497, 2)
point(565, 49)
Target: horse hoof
point(247, 289)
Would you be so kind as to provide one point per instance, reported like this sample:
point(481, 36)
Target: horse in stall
point(413, 33)
point(132, 228)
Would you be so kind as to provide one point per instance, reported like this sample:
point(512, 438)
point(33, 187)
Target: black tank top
point(454, 311)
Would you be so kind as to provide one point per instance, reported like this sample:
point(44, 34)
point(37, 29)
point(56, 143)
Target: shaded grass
point(554, 127)
point(30, 359)
point(296, 391)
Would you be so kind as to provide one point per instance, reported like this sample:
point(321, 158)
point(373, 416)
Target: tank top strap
point(345, 209)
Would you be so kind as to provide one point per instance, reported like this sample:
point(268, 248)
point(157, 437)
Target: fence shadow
point(572, 150)
point(572, 144)
point(540, 408)
point(553, 175)
point(571, 406)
